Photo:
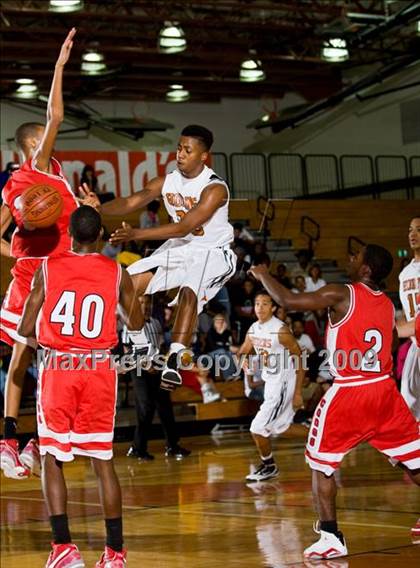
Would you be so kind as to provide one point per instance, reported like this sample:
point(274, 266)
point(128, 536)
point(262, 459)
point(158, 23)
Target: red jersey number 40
point(91, 314)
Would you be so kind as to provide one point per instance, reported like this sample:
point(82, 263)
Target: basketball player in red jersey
point(363, 404)
point(36, 144)
point(73, 304)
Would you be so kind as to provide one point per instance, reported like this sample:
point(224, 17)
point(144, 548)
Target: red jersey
point(39, 242)
point(80, 306)
point(359, 346)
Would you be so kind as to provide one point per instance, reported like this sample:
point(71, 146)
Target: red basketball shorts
point(14, 301)
point(374, 412)
point(76, 411)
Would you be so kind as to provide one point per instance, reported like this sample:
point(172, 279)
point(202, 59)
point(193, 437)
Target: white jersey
point(265, 340)
point(180, 194)
point(410, 289)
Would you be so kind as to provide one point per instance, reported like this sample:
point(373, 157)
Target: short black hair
point(379, 260)
point(265, 293)
point(201, 133)
point(85, 224)
point(25, 131)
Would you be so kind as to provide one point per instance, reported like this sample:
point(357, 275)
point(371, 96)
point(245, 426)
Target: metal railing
point(311, 229)
point(354, 244)
point(280, 176)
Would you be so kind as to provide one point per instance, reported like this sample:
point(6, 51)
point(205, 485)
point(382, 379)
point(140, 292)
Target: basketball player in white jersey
point(410, 300)
point(273, 342)
point(196, 257)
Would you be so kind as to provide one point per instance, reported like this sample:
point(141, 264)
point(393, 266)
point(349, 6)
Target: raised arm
point(5, 221)
point(129, 302)
point(335, 296)
point(213, 197)
point(33, 304)
point(55, 109)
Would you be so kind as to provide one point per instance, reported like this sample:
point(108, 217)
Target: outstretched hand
point(258, 271)
point(124, 234)
point(88, 197)
point(66, 48)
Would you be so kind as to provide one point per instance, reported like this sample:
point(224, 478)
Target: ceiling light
point(89, 68)
point(335, 50)
point(265, 118)
point(418, 27)
point(251, 71)
point(178, 94)
point(172, 38)
point(26, 91)
point(92, 56)
point(65, 5)
point(25, 81)
point(93, 63)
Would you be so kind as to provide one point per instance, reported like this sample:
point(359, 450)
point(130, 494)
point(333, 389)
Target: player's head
point(264, 306)
point(372, 262)
point(193, 148)
point(85, 225)
point(414, 233)
point(28, 137)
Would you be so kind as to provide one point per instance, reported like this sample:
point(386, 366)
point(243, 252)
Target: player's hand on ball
point(297, 401)
point(258, 271)
point(88, 197)
point(66, 48)
point(122, 235)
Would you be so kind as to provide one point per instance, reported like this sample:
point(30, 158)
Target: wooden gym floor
point(200, 513)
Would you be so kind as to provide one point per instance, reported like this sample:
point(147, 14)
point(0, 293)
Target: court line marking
point(182, 510)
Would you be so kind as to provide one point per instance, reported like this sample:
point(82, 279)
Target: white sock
point(176, 347)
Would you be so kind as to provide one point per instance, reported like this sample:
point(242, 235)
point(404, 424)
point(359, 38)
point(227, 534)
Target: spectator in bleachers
point(303, 339)
point(243, 264)
point(150, 218)
point(89, 178)
point(222, 298)
point(259, 254)
point(243, 309)
point(281, 276)
point(281, 313)
point(315, 324)
point(242, 238)
point(299, 284)
point(303, 258)
point(219, 343)
point(314, 281)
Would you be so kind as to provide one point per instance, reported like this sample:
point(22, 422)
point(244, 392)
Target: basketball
point(41, 205)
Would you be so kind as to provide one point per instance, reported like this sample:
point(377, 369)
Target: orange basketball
point(41, 205)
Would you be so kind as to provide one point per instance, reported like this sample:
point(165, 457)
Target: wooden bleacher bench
point(234, 404)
